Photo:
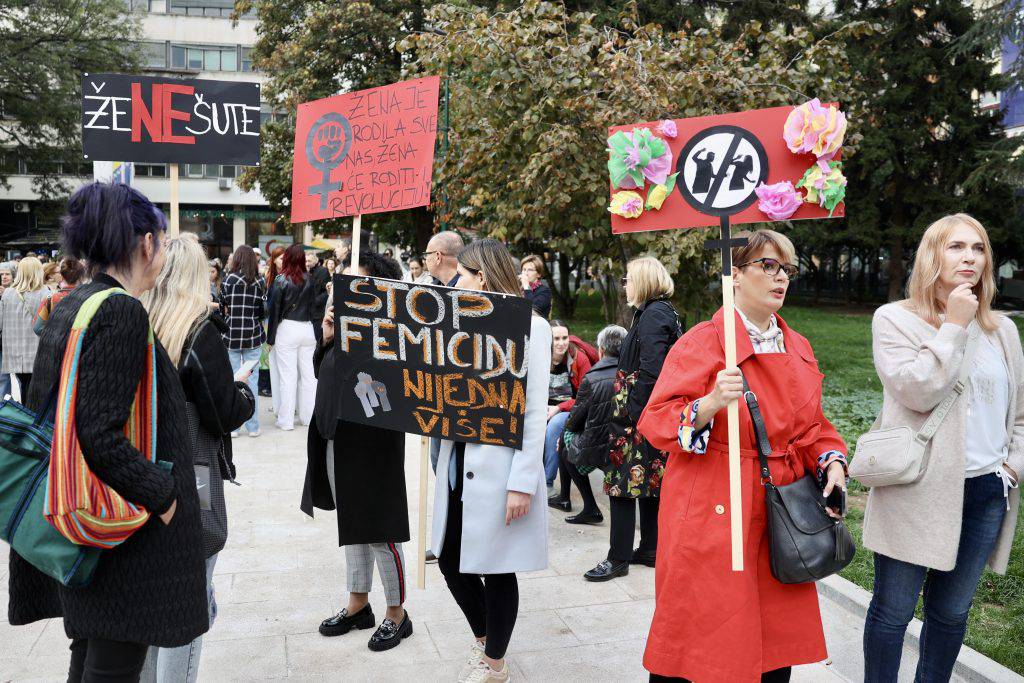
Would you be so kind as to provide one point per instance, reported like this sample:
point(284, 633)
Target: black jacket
point(654, 330)
point(291, 301)
point(369, 468)
point(320, 278)
point(152, 588)
point(205, 370)
point(592, 412)
point(540, 299)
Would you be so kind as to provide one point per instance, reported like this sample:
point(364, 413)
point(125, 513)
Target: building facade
point(190, 39)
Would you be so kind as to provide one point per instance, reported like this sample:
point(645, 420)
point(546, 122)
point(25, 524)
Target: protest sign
point(744, 167)
point(436, 361)
point(369, 151)
point(720, 161)
point(169, 120)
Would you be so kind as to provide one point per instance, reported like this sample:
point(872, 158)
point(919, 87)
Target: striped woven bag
point(78, 505)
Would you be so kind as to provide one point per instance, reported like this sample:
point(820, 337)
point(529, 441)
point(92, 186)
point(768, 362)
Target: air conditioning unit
point(21, 207)
point(224, 183)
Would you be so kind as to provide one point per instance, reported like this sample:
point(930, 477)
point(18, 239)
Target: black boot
point(342, 622)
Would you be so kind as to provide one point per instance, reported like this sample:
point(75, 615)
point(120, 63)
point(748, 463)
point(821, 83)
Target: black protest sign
point(428, 360)
point(170, 120)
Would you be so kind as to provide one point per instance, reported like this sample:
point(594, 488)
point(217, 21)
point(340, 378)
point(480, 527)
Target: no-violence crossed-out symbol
point(720, 167)
point(327, 144)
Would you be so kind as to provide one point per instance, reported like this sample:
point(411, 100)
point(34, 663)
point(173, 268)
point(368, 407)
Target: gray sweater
point(918, 365)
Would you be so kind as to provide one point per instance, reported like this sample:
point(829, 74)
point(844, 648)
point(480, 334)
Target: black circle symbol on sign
point(327, 145)
point(704, 169)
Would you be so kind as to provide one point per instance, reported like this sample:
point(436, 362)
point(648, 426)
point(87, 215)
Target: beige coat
point(920, 522)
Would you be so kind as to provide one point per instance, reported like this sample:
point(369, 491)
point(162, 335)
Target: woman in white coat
point(487, 525)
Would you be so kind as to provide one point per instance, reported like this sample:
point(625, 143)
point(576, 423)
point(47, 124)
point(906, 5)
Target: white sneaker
point(234, 434)
point(285, 429)
point(255, 433)
point(476, 655)
point(483, 673)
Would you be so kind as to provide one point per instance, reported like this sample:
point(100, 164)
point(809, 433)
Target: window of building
point(204, 57)
point(153, 55)
point(246, 59)
point(194, 170)
point(228, 171)
point(150, 171)
point(202, 8)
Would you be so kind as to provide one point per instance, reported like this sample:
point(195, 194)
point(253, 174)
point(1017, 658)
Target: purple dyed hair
point(104, 222)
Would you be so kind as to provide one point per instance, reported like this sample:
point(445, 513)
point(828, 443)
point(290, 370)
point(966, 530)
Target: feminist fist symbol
point(327, 145)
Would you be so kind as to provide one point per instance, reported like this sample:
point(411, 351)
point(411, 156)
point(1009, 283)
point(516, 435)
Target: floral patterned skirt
point(636, 468)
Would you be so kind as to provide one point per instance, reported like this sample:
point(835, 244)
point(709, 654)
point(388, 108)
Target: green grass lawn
point(852, 397)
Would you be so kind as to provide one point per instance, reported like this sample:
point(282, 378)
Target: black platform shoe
point(559, 503)
point(606, 569)
point(585, 518)
point(342, 622)
point(389, 634)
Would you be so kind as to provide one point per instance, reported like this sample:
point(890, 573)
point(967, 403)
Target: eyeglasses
point(772, 267)
point(436, 251)
point(623, 280)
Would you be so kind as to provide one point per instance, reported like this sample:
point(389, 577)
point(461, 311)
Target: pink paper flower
point(778, 201)
point(627, 204)
point(814, 128)
point(668, 129)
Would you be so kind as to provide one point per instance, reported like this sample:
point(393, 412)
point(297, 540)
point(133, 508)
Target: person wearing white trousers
point(294, 354)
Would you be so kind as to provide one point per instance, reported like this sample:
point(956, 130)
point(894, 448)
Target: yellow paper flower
point(627, 204)
point(815, 128)
point(656, 197)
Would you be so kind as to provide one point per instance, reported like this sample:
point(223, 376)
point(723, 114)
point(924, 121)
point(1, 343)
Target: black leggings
point(623, 526)
point(97, 660)
point(777, 676)
point(24, 379)
point(490, 602)
point(567, 472)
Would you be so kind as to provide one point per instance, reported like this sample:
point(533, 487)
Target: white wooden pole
point(421, 552)
point(174, 227)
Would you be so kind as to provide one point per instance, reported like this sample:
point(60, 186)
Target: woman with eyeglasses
point(712, 623)
point(633, 478)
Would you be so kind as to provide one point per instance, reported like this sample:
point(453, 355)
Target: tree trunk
point(423, 225)
point(564, 293)
point(896, 267)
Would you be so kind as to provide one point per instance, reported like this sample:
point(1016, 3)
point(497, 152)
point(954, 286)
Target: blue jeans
point(237, 358)
point(556, 426)
point(180, 664)
point(5, 382)
point(947, 595)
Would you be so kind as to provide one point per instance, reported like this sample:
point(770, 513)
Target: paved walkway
point(282, 573)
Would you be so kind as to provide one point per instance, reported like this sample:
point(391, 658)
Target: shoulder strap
point(760, 431)
point(940, 411)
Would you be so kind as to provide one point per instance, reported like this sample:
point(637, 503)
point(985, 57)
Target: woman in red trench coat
point(710, 623)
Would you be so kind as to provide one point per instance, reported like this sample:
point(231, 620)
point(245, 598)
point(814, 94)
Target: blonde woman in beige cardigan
point(938, 533)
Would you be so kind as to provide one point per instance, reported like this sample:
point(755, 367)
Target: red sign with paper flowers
point(688, 173)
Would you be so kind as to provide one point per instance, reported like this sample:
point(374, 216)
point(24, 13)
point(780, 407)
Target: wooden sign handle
point(733, 414)
point(174, 228)
point(357, 233)
point(421, 552)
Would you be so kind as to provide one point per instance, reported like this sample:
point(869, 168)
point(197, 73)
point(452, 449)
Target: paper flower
point(657, 195)
point(627, 204)
point(828, 190)
point(668, 129)
point(814, 128)
point(637, 156)
point(779, 201)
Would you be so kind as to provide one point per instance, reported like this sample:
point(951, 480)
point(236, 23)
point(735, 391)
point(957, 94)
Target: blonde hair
point(180, 300)
point(758, 241)
point(29, 277)
point(650, 280)
point(923, 286)
point(538, 264)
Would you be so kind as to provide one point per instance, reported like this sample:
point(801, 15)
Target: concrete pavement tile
point(639, 582)
point(534, 631)
point(439, 672)
point(18, 640)
point(609, 623)
point(816, 673)
point(585, 663)
point(52, 641)
point(247, 659)
point(555, 592)
point(311, 653)
point(286, 585)
point(255, 560)
point(269, 618)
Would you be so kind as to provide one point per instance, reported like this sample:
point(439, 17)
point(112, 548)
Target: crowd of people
point(644, 405)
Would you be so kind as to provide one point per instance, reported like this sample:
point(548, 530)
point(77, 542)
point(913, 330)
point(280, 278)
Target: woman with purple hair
point(151, 589)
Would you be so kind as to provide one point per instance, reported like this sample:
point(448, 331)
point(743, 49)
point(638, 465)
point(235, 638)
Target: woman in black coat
point(151, 589)
point(534, 288)
point(635, 469)
point(588, 423)
point(360, 470)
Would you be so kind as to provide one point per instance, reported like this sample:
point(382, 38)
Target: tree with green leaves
point(534, 90)
point(45, 47)
point(929, 148)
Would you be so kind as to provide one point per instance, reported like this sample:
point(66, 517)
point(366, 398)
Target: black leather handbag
point(805, 544)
